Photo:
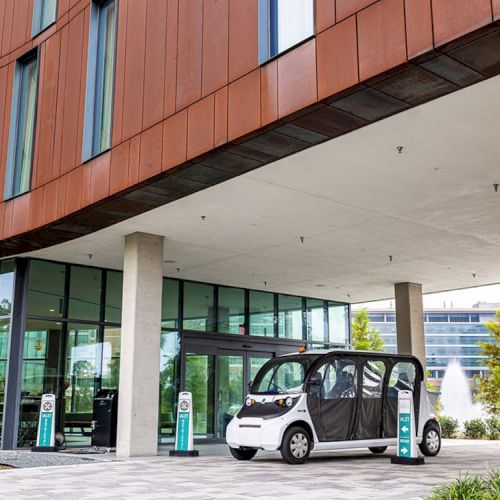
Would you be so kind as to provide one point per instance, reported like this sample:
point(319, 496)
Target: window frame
point(91, 95)
point(10, 170)
point(36, 20)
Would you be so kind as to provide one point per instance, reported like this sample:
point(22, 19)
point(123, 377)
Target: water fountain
point(456, 400)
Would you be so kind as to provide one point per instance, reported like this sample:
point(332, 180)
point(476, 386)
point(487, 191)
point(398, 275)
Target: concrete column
point(410, 320)
point(140, 346)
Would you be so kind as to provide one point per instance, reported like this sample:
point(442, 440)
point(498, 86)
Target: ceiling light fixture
point(495, 187)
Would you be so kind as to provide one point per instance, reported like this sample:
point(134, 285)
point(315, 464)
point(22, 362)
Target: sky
point(457, 298)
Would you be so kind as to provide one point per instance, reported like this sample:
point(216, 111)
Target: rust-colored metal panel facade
point(193, 107)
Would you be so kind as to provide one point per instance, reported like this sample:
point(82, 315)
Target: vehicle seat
point(343, 387)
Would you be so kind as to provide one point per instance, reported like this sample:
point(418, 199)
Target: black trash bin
point(104, 419)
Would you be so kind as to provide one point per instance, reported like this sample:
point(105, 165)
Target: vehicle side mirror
point(315, 379)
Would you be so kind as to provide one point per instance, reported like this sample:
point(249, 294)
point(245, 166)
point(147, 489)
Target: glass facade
point(6, 296)
point(22, 127)
point(450, 335)
point(100, 78)
point(44, 14)
point(283, 24)
point(71, 345)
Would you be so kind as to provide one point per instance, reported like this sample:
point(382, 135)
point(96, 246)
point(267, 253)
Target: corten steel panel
point(119, 167)
point(200, 137)
point(150, 155)
point(243, 36)
point(154, 69)
point(47, 106)
point(19, 22)
point(2, 215)
point(345, 8)
point(7, 26)
point(454, 18)
point(21, 213)
point(3, 5)
point(283, 91)
point(220, 119)
point(170, 93)
point(496, 9)
point(269, 92)
point(381, 37)
point(71, 103)
point(134, 69)
point(325, 14)
point(119, 86)
point(5, 119)
point(7, 220)
point(297, 86)
point(419, 36)
point(62, 7)
point(174, 140)
point(189, 54)
point(215, 45)
point(244, 105)
point(337, 53)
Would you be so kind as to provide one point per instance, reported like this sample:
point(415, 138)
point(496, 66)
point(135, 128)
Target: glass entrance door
point(218, 381)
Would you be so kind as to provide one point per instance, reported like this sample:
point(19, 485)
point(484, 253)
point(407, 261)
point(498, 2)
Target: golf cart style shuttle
point(330, 400)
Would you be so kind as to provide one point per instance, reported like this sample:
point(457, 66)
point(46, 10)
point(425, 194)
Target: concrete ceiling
point(355, 200)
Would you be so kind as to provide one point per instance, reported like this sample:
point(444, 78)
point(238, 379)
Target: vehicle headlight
point(288, 402)
point(249, 401)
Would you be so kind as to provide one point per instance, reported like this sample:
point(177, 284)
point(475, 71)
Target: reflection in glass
point(338, 323)
point(199, 313)
point(170, 304)
point(256, 363)
point(373, 379)
point(262, 313)
point(6, 287)
point(315, 315)
point(169, 379)
point(114, 285)
point(46, 288)
point(200, 371)
point(289, 317)
point(41, 373)
point(230, 390)
point(44, 14)
point(85, 293)
point(231, 303)
point(111, 357)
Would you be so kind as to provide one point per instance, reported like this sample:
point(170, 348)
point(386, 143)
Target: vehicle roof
point(323, 352)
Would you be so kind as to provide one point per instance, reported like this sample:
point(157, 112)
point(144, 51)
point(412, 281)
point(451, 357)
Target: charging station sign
point(184, 434)
point(46, 422)
point(406, 426)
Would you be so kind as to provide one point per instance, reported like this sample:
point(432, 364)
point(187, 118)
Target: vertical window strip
point(44, 14)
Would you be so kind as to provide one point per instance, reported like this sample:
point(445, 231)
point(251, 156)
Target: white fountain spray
point(456, 400)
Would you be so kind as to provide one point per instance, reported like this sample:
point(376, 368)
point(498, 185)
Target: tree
point(365, 338)
point(489, 386)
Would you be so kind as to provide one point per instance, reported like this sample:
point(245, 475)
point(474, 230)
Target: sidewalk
point(340, 475)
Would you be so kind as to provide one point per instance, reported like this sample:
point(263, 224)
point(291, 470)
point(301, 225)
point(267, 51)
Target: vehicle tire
point(431, 440)
point(296, 445)
point(378, 449)
point(243, 454)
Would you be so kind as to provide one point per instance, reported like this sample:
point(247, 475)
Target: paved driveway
point(340, 475)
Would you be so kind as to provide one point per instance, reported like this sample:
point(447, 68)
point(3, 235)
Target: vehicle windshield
point(283, 375)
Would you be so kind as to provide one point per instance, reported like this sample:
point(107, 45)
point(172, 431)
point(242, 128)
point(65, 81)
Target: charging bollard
point(184, 432)
point(45, 439)
point(407, 438)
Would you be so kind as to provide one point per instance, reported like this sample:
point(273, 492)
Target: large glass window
point(44, 14)
point(262, 317)
point(22, 127)
point(338, 323)
point(283, 24)
point(170, 304)
point(46, 288)
point(290, 317)
point(111, 357)
point(199, 312)
point(100, 78)
point(85, 293)
point(315, 315)
point(114, 285)
point(231, 308)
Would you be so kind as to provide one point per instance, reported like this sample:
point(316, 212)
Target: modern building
point(192, 186)
point(451, 335)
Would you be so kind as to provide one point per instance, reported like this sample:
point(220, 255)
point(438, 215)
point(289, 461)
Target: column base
point(408, 461)
point(179, 453)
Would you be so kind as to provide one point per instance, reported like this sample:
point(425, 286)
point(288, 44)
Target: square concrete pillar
point(137, 433)
point(410, 320)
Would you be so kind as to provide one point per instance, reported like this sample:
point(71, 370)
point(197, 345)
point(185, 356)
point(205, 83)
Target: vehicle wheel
point(243, 454)
point(378, 449)
point(296, 445)
point(431, 440)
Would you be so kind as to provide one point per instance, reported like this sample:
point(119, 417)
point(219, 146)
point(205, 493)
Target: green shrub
point(449, 426)
point(475, 429)
point(493, 482)
point(463, 488)
point(493, 427)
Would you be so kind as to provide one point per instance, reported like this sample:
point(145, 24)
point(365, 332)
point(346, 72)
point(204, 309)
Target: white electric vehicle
point(330, 400)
